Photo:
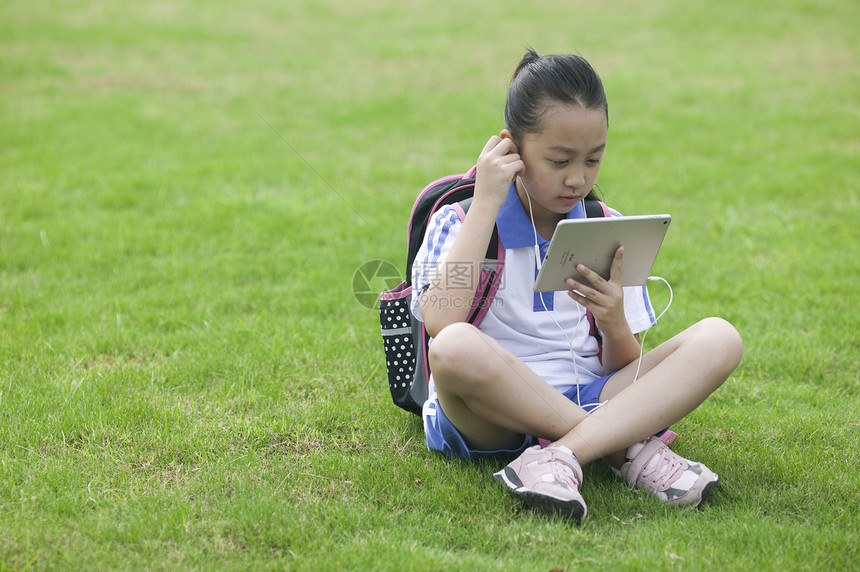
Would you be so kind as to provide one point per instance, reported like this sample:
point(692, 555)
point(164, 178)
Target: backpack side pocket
point(402, 361)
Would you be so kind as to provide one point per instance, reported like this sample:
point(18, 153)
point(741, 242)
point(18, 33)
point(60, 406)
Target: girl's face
point(562, 161)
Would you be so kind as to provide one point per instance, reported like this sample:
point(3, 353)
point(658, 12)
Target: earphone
point(539, 263)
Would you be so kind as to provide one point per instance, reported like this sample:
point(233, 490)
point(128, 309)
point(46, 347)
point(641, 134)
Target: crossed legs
point(493, 398)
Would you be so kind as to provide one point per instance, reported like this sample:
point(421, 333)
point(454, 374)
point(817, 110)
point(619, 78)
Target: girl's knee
point(724, 339)
point(452, 347)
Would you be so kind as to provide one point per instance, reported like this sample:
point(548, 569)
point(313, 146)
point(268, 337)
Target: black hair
point(541, 81)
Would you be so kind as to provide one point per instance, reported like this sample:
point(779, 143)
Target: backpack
point(405, 341)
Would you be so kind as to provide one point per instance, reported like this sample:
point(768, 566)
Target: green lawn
point(187, 187)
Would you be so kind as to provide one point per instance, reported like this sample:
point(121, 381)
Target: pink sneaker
point(674, 479)
point(548, 480)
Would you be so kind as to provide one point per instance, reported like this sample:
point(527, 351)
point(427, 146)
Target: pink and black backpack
point(404, 338)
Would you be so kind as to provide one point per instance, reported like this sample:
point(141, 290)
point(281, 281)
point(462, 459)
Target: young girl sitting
point(532, 369)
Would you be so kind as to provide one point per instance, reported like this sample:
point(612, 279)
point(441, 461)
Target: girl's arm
point(444, 303)
point(619, 349)
point(605, 300)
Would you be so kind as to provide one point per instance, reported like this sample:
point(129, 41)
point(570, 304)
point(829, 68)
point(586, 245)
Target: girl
point(519, 377)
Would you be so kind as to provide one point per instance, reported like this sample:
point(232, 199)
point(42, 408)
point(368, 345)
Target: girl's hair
point(540, 82)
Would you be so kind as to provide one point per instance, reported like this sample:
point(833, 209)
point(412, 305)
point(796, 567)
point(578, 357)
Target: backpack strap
point(490, 275)
point(596, 209)
point(489, 281)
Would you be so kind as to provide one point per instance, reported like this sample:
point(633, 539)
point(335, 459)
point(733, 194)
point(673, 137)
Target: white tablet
point(593, 242)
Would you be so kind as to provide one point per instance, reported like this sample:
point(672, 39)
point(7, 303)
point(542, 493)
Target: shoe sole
point(703, 495)
point(706, 492)
point(569, 509)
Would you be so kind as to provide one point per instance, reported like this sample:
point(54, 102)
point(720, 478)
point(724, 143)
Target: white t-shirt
point(519, 318)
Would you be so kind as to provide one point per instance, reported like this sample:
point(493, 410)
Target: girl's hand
point(605, 299)
point(498, 164)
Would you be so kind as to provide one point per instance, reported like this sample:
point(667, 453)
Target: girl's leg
point(491, 396)
point(674, 379)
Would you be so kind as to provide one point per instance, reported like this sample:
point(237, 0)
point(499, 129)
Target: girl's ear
point(506, 134)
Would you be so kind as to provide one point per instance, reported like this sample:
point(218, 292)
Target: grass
point(187, 188)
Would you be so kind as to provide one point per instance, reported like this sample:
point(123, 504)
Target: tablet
point(593, 242)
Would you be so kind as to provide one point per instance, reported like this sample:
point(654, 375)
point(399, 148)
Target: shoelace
point(665, 471)
point(566, 474)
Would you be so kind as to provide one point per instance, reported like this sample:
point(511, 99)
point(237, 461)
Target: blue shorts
point(442, 436)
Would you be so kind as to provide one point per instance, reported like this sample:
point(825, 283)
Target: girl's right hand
point(498, 165)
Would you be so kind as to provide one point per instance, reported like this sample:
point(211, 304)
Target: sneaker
point(548, 480)
point(653, 466)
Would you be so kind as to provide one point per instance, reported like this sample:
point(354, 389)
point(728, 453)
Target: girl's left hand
point(604, 298)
